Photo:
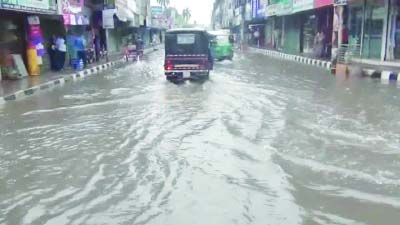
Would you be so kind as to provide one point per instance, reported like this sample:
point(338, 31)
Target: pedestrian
point(345, 35)
point(60, 52)
point(139, 46)
point(80, 44)
point(319, 41)
point(97, 47)
point(51, 51)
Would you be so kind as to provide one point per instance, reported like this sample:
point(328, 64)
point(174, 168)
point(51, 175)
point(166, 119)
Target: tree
point(186, 14)
point(163, 3)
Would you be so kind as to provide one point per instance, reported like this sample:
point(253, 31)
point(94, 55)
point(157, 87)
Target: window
point(186, 39)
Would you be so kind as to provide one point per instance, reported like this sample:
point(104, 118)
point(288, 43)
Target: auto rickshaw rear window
point(186, 39)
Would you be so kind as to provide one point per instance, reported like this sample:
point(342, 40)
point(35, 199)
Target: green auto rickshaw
point(222, 45)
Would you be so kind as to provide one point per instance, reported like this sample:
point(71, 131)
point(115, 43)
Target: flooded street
point(264, 141)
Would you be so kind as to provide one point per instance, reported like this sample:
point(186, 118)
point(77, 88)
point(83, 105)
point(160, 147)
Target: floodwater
point(264, 141)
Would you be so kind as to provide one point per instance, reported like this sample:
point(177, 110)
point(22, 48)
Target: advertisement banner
point(322, 3)
point(72, 6)
point(72, 12)
point(42, 6)
point(302, 5)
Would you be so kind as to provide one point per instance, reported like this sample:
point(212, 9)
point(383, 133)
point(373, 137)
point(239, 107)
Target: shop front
point(256, 25)
point(79, 32)
point(316, 29)
point(367, 22)
point(374, 37)
point(308, 26)
point(51, 26)
point(22, 40)
point(393, 43)
point(275, 25)
point(324, 14)
point(311, 23)
point(12, 41)
point(269, 33)
point(374, 25)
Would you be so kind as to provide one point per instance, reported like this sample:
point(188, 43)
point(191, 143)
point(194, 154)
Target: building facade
point(328, 29)
point(30, 29)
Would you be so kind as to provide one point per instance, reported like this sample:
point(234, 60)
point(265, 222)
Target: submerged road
point(264, 141)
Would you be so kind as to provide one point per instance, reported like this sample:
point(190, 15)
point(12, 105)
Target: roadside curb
point(300, 59)
point(382, 74)
point(79, 75)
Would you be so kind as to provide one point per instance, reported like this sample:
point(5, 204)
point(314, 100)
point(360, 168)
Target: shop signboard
point(279, 7)
point(285, 7)
point(302, 5)
point(322, 3)
point(41, 6)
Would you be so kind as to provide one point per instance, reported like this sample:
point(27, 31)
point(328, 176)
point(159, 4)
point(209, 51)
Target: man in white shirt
point(60, 52)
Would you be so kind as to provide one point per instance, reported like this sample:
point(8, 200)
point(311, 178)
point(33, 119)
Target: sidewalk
point(385, 71)
point(297, 58)
point(11, 90)
point(8, 87)
point(376, 68)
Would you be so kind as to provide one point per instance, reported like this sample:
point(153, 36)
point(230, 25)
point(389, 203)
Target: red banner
point(322, 3)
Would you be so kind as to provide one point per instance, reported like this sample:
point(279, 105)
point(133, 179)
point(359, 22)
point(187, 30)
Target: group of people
point(58, 49)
